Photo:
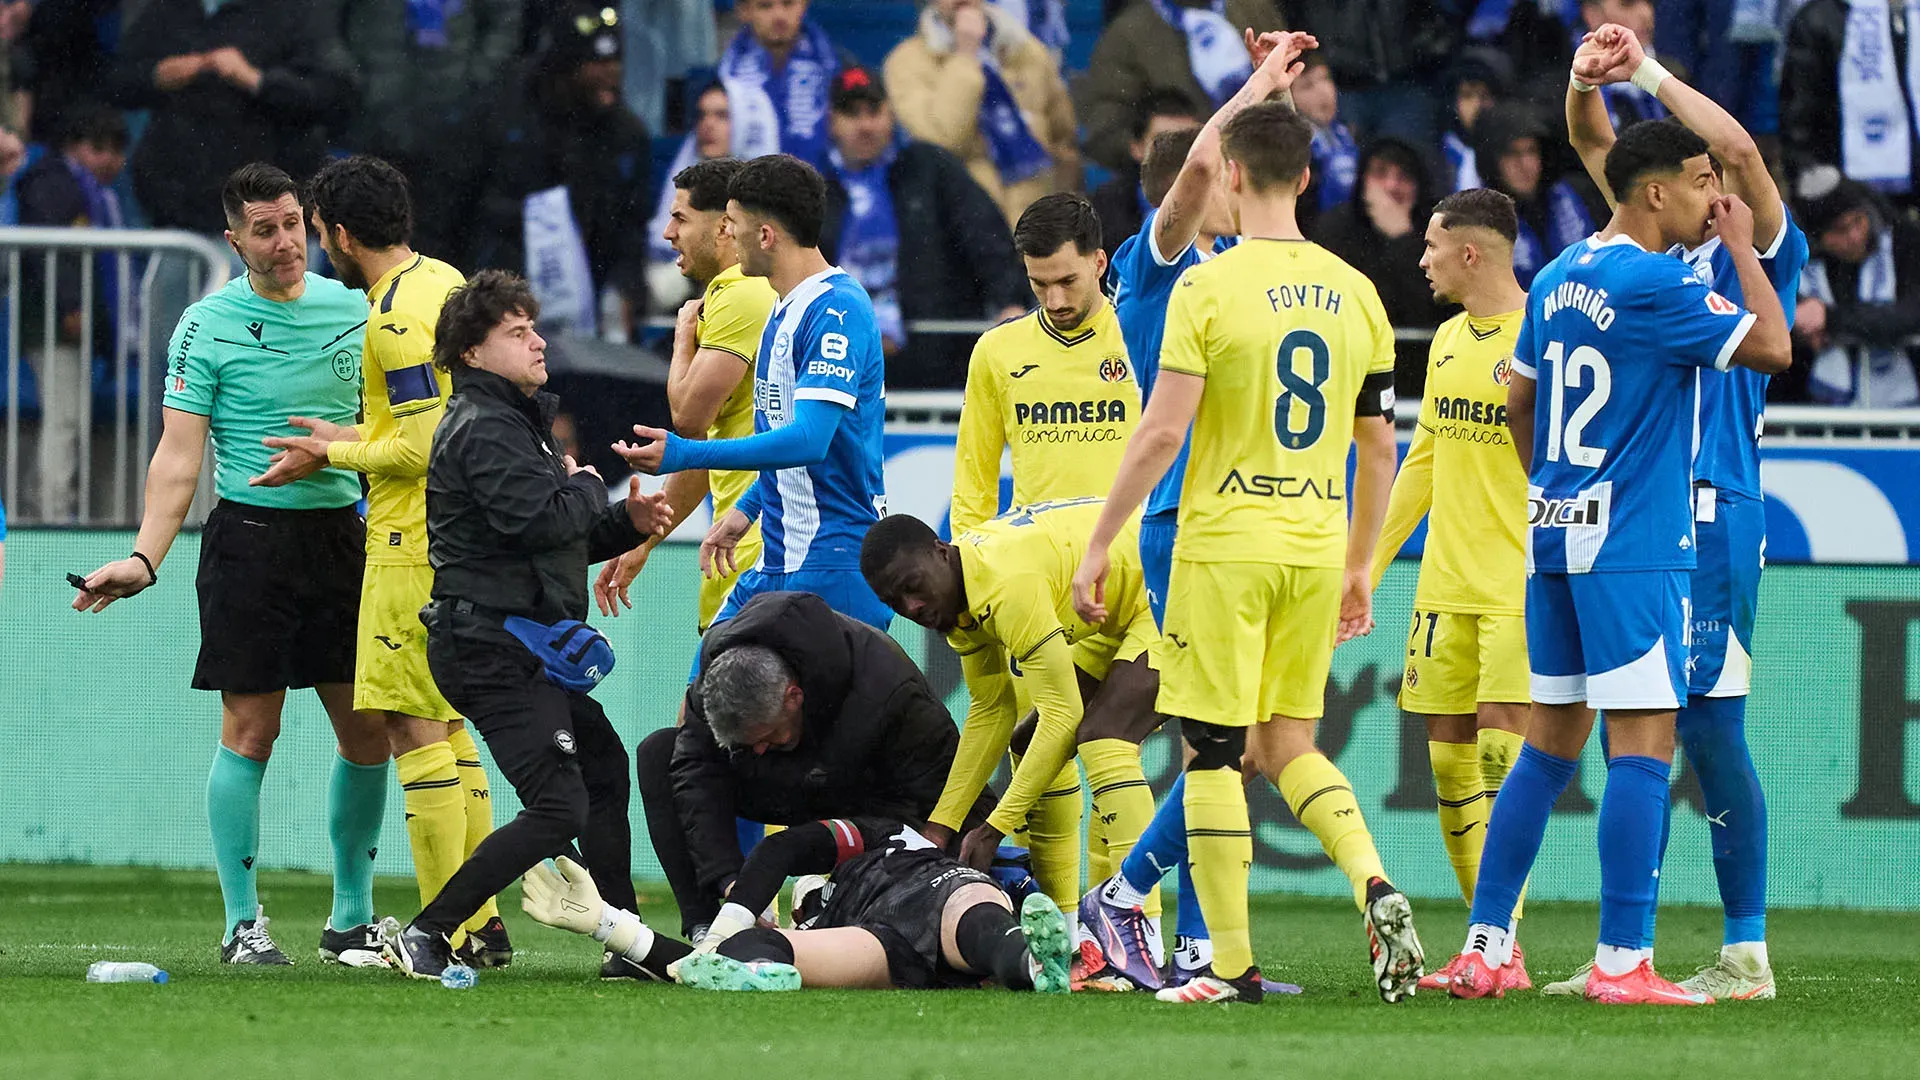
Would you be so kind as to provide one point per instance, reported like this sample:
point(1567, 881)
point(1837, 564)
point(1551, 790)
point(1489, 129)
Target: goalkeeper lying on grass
point(897, 912)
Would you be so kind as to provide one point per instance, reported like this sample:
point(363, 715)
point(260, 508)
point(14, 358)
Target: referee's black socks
point(990, 941)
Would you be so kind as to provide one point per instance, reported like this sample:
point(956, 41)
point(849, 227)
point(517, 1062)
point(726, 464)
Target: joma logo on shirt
point(1070, 412)
point(1280, 487)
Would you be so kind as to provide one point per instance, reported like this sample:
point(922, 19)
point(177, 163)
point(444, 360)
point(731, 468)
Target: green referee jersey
point(248, 363)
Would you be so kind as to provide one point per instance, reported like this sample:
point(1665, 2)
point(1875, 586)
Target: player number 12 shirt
point(1613, 335)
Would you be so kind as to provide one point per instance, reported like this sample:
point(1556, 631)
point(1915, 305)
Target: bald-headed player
point(363, 212)
point(1466, 668)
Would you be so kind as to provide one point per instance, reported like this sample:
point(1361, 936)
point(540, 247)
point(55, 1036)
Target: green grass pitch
point(1847, 1005)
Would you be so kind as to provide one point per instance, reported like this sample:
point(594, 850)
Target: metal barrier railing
point(133, 368)
point(931, 411)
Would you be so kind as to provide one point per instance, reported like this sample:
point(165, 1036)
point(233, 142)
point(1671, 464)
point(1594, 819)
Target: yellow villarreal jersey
point(1019, 567)
point(1284, 334)
point(733, 313)
point(1475, 559)
point(1065, 403)
point(402, 400)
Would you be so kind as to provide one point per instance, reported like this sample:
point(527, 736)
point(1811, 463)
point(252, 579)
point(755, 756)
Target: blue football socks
point(1515, 830)
point(1163, 845)
point(1631, 812)
point(1713, 733)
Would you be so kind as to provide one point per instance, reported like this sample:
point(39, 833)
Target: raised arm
point(1186, 203)
point(1614, 55)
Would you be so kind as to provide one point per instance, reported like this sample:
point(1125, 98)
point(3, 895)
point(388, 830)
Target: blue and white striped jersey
point(821, 344)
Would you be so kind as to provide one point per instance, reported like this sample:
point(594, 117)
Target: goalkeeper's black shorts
point(898, 896)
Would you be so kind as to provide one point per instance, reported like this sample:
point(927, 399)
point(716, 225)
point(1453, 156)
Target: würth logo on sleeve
point(1720, 305)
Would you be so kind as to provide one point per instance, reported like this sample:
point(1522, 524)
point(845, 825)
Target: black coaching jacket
point(507, 529)
point(875, 742)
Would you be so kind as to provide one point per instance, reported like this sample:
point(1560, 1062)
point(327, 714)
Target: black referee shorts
point(279, 597)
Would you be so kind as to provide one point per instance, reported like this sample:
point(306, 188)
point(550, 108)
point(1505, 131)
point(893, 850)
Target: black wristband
point(153, 576)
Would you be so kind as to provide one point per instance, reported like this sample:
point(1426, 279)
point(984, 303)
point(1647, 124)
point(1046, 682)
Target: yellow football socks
point(1122, 805)
point(1463, 808)
point(1098, 868)
point(1498, 749)
point(479, 807)
point(1220, 849)
point(1322, 799)
point(1053, 837)
point(436, 815)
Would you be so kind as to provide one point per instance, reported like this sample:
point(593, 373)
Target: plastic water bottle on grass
point(458, 977)
point(113, 971)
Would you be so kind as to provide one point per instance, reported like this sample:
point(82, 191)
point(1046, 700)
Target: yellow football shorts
point(1244, 642)
point(1097, 653)
point(1455, 661)
point(390, 657)
point(713, 591)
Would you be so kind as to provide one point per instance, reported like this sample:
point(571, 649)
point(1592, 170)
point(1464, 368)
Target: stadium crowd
point(488, 103)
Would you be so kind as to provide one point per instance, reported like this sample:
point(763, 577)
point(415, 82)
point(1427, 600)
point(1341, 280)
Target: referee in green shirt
point(280, 567)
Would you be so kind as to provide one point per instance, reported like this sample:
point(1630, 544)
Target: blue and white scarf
point(1016, 154)
point(1215, 49)
point(1488, 19)
point(1861, 375)
point(1044, 19)
point(797, 94)
point(1757, 22)
point(755, 132)
point(1876, 131)
point(1010, 142)
point(1336, 160)
point(870, 238)
point(1463, 165)
point(1627, 104)
point(427, 21)
point(1567, 222)
point(103, 212)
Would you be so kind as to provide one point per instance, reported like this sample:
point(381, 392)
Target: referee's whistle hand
point(114, 581)
point(647, 452)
